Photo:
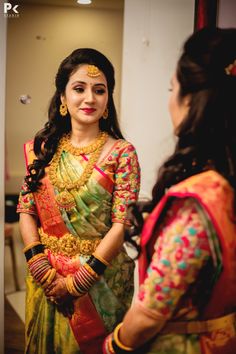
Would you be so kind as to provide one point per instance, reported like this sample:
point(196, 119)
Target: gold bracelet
point(34, 258)
point(101, 259)
point(45, 277)
point(50, 278)
point(91, 271)
point(117, 340)
point(70, 286)
point(68, 283)
point(32, 244)
point(52, 275)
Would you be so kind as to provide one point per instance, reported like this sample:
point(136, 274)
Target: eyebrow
point(85, 83)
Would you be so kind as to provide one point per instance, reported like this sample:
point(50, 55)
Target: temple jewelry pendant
point(65, 200)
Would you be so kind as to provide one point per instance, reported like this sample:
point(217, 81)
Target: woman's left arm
point(111, 243)
point(126, 189)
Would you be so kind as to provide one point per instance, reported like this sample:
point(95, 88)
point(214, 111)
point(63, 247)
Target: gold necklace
point(64, 198)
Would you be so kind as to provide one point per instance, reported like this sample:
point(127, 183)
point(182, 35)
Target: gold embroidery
point(68, 245)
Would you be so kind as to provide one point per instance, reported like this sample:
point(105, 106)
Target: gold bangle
point(70, 286)
point(45, 277)
point(34, 258)
point(68, 283)
point(91, 271)
point(30, 245)
point(50, 278)
point(117, 340)
point(101, 259)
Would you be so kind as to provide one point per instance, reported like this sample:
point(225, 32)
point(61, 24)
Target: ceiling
point(96, 4)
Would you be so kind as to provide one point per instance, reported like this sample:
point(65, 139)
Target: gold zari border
point(68, 245)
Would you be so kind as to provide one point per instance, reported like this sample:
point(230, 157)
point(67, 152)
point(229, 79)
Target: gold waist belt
point(68, 245)
point(199, 326)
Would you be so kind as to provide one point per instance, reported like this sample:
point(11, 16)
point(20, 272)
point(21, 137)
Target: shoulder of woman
point(29, 143)
point(123, 145)
point(29, 146)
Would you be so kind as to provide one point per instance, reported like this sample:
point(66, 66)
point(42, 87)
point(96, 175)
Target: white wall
point(227, 13)
point(36, 44)
point(154, 31)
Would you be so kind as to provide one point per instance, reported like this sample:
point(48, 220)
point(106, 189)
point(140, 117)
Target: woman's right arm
point(28, 228)
point(37, 261)
point(28, 216)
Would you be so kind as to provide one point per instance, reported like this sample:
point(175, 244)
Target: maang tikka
point(93, 71)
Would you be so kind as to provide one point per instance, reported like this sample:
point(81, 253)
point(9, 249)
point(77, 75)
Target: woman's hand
point(57, 290)
point(66, 307)
point(57, 293)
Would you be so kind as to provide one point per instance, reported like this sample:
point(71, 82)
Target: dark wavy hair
point(47, 139)
point(207, 135)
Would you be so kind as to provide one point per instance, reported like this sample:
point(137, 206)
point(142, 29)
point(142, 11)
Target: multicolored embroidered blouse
point(184, 245)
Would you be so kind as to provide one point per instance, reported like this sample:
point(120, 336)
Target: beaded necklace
point(64, 198)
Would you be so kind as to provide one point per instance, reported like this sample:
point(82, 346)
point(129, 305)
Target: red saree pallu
point(87, 326)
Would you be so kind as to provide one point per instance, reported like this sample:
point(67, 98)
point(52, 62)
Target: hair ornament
point(93, 71)
point(231, 69)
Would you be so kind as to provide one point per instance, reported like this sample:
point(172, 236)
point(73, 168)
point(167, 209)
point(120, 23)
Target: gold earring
point(63, 110)
point(105, 114)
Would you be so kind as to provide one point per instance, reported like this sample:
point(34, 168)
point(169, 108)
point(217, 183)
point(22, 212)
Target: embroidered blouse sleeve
point(26, 203)
point(127, 182)
point(181, 250)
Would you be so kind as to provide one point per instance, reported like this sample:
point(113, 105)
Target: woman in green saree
point(81, 177)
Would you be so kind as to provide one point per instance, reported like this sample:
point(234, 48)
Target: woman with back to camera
point(187, 296)
point(82, 175)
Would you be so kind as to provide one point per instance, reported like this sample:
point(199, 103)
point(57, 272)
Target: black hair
point(47, 139)
point(207, 135)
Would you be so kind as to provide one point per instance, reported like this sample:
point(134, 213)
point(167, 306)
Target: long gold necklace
point(64, 198)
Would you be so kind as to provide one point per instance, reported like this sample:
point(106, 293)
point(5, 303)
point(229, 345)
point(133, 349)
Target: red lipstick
point(88, 110)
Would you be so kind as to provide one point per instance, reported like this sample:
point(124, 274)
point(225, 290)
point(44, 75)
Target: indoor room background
point(142, 38)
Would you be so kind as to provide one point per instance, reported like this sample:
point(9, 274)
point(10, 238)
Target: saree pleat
point(111, 296)
point(46, 324)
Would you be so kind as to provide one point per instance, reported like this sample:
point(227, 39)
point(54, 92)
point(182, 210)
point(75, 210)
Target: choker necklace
point(64, 198)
